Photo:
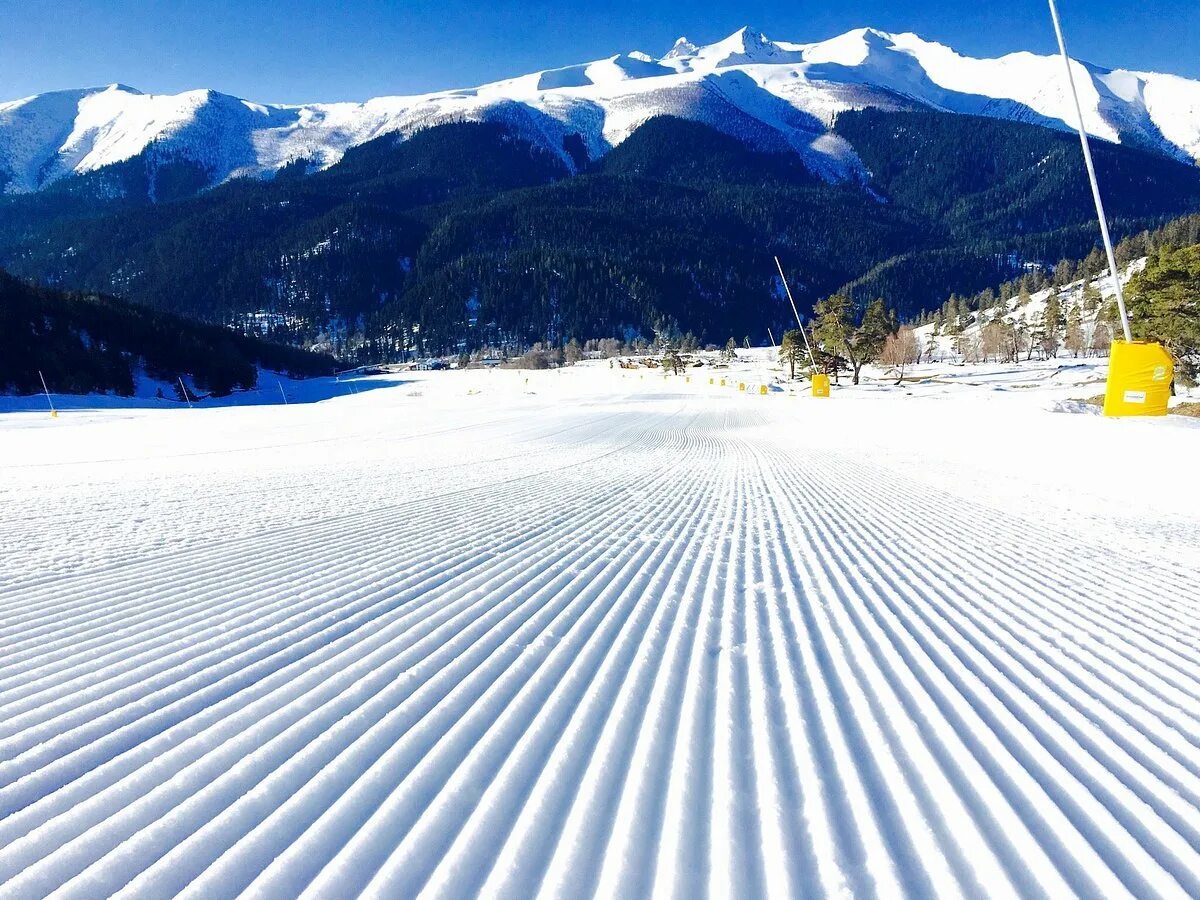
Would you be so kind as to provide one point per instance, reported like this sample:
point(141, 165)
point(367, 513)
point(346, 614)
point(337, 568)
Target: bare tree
point(610, 347)
point(900, 350)
point(994, 340)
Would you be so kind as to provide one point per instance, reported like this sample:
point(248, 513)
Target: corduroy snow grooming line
point(1139, 379)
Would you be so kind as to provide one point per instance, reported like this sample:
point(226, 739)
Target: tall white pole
point(185, 392)
point(795, 312)
point(47, 390)
point(1091, 170)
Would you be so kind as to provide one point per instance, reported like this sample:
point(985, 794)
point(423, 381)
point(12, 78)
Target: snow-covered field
point(601, 631)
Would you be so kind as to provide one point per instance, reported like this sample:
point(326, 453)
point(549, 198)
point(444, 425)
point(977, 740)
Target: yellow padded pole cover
point(1139, 379)
point(820, 385)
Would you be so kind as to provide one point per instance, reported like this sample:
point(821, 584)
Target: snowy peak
point(745, 46)
point(683, 48)
point(774, 94)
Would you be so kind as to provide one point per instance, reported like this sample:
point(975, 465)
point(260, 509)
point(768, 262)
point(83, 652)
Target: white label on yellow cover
point(1135, 396)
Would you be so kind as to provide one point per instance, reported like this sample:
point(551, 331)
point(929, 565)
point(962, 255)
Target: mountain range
point(772, 94)
point(618, 198)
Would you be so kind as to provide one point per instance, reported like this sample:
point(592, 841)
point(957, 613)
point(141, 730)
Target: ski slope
point(594, 631)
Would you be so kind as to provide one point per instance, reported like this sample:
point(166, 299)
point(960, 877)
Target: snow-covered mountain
point(778, 95)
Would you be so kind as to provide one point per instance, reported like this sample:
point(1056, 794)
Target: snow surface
point(602, 631)
point(775, 94)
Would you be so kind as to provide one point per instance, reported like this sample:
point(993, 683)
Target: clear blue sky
point(303, 50)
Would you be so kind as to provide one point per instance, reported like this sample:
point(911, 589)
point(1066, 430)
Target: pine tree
point(838, 335)
point(871, 335)
point(1051, 323)
point(1164, 306)
point(932, 346)
point(832, 328)
point(1020, 337)
point(1073, 338)
point(672, 361)
point(792, 350)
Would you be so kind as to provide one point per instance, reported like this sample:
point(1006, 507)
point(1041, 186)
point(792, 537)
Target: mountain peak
point(750, 37)
point(746, 46)
point(683, 47)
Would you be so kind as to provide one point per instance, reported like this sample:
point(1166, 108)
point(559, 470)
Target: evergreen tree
point(1051, 325)
point(838, 334)
point(792, 350)
point(1073, 338)
point(672, 361)
point(1021, 337)
point(932, 346)
point(1164, 306)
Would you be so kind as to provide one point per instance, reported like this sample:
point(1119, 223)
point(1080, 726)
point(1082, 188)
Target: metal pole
point(796, 312)
point(281, 393)
point(1091, 170)
point(47, 390)
point(185, 392)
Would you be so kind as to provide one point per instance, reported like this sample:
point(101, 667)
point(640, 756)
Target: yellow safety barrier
point(54, 413)
point(820, 385)
point(741, 385)
point(722, 382)
point(762, 389)
point(1139, 379)
point(710, 381)
point(687, 379)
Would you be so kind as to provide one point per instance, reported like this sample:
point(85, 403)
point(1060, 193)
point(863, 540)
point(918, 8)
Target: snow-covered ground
point(595, 630)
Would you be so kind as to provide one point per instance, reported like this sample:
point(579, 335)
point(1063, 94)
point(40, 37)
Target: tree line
point(90, 343)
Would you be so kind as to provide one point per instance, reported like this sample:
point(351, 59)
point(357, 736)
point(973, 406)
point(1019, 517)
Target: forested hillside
point(84, 343)
point(465, 236)
point(1004, 193)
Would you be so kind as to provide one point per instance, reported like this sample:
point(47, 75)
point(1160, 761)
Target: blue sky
point(319, 51)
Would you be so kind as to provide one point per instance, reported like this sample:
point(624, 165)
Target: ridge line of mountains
point(775, 94)
point(624, 198)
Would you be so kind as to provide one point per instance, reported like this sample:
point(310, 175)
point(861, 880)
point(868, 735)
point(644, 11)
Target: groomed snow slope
point(602, 632)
